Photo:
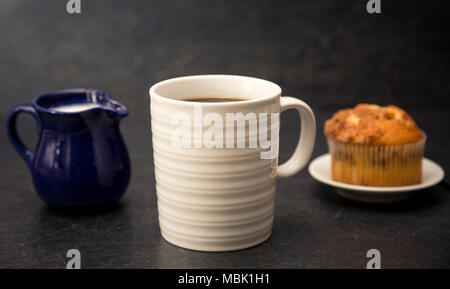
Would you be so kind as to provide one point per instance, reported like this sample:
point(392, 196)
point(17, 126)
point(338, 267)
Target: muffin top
point(371, 124)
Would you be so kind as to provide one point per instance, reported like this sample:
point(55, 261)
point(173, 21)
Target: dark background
point(331, 54)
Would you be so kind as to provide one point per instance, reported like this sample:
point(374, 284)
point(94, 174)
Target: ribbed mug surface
point(214, 199)
point(216, 192)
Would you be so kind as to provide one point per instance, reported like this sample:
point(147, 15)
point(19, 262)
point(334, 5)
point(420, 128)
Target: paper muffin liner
point(377, 165)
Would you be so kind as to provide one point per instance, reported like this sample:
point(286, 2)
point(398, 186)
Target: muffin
point(373, 145)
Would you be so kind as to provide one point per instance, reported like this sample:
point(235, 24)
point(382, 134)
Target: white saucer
point(320, 169)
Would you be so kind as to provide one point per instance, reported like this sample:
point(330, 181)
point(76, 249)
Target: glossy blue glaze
point(80, 159)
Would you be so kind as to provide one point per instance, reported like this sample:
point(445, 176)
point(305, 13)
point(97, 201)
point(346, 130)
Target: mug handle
point(306, 140)
point(11, 127)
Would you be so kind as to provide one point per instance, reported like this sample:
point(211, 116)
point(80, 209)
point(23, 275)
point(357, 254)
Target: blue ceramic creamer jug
point(80, 159)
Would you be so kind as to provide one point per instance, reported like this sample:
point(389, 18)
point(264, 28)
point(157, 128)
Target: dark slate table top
point(314, 228)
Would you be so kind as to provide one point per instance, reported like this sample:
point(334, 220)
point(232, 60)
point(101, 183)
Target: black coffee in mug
point(213, 99)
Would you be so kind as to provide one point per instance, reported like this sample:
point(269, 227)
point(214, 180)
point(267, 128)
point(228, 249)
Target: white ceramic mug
point(220, 198)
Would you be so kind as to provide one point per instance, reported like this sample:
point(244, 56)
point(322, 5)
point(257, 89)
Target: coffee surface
point(213, 99)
